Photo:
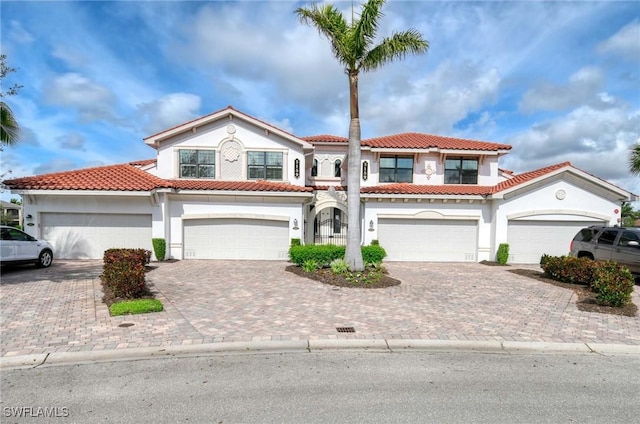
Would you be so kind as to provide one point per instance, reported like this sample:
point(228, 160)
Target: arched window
point(337, 171)
point(314, 168)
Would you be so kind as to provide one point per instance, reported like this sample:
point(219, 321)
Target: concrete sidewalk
point(58, 311)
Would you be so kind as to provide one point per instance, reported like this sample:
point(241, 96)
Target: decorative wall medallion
point(231, 154)
point(561, 194)
point(231, 129)
point(331, 194)
point(428, 171)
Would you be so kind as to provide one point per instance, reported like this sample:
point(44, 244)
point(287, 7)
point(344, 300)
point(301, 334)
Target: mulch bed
point(586, 298)
point(326, 276)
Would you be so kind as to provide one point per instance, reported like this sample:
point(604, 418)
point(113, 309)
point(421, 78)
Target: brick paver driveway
point(59, 309)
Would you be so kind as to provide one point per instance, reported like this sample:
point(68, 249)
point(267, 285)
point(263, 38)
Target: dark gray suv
point(618, 244)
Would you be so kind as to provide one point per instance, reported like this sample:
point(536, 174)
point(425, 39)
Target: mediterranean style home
point(230, 186)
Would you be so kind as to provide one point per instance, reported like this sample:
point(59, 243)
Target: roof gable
point(227, 113)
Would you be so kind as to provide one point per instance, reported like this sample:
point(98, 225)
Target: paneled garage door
point(235, 238)
point(87, 236)
point(529, 240)
point(428, 240)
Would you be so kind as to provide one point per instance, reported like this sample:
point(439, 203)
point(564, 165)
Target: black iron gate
point(330, 231)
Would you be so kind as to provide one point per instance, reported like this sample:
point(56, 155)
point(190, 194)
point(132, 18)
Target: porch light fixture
point(295, 224)
point(28, 217)
point(371, 225)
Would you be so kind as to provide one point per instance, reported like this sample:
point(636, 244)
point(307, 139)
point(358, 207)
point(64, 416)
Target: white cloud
point(19, 34)
point(169, 111)
point(581, 89)
point(72, 141)
point(625, 42)
point(55, 165)
point(69, 54)
point(436, 102)
point(92, 100)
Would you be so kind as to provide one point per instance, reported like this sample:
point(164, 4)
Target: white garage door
point(529, 240)
point(429, 240)
point(235, 238)
point(87, 236)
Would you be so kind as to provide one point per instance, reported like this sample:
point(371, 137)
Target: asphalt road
point(331, 387)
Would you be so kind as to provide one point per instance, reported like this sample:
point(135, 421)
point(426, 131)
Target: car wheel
point(45, 259)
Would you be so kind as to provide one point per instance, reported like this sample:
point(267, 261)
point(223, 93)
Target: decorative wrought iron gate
point(330, 231)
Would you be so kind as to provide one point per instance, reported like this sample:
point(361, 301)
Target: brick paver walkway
point(59, 309)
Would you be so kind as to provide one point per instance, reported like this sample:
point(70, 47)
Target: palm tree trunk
point(353, 254)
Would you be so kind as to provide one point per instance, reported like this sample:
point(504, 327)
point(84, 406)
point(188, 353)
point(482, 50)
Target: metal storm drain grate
point(345, 329)
point(126, 324)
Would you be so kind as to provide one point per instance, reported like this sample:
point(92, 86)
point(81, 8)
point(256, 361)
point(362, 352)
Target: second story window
point(396, 169)
point(314, 168)
point(461, 171)
point(197, 163)
point(337, 165)
point(264, 165)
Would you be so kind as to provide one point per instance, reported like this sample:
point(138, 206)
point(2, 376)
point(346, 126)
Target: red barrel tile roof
point(426, 141)
point(258, 185)
point(417, 189)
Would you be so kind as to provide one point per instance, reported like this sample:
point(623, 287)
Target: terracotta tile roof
point(258, 185)
point(426, 141)
point(128, 177)
point(325, 138)
point(123, 177)
point(416, 189)
point(528, 176)
point(143, 162)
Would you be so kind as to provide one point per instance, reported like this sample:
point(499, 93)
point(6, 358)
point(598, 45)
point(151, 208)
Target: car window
point(586, 234)
point(607, 237)
point(628, 236)
point(19, 235)
point(4, 234)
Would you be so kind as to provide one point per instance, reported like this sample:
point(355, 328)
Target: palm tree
point(634, 160)
point(352, 45)
point(9, 129)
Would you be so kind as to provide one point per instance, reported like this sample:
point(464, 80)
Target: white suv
point(19, 247)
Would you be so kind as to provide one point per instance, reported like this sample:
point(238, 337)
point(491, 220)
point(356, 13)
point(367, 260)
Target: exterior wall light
point(295, 224)
point(371, 225)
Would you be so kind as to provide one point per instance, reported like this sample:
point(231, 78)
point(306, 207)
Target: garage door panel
point(529, 240)
point(235, 238)
point(429, 240)
point(87, 236)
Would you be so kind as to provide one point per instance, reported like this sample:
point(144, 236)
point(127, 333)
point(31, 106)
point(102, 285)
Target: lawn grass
point(138, 306)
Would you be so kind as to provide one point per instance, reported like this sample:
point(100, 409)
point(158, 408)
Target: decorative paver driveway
point(60, 309)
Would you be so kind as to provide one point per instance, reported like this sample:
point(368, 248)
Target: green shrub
point(322, 254)
point(569, 269)
point(138, 306)
point(503, 253)
point(123, 274)
point(310, 265)
point(613, 284)
point(339, 266)
point(375, 243)
point(373, 254)
point(295, 242)
point(159, 248)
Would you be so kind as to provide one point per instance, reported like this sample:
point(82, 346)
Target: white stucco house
point(230, 186)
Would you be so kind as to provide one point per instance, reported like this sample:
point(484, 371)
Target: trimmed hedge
point(123, 274)
point(612, 283)
point(159, 248)
point(324, 254)
point(502, 256)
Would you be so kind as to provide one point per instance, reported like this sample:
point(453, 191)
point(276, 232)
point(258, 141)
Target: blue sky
point(559, 81)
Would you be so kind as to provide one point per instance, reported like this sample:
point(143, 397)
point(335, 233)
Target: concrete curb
point(318, 345)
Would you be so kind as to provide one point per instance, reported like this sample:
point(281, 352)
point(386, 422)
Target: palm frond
point(634, 160)
point(364, 29)
point(9, 130)
point(329, 22)
point(395, 47)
